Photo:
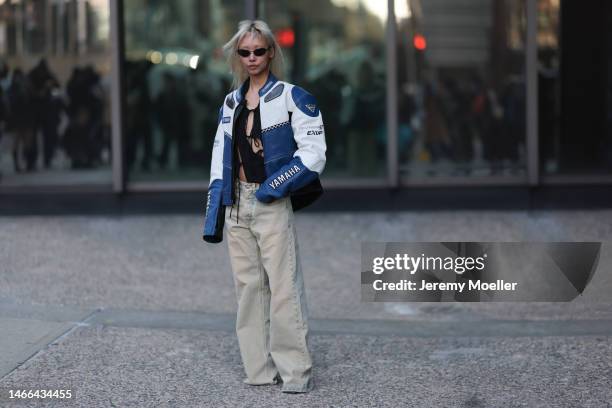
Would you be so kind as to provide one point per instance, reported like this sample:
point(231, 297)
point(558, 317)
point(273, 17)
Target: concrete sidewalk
point(138, 311)
point(127, 358)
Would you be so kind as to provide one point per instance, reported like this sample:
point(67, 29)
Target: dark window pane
point(176, 78)
point(575, 86)
point(461, 69)
point(339, 56)
point(54, 93)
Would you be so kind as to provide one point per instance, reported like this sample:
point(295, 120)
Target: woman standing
point(268, 153)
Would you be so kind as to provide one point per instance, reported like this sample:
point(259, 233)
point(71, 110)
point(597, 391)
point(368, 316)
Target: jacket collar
point(262, 91)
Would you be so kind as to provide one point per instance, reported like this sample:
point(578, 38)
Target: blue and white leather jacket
point(293, 139)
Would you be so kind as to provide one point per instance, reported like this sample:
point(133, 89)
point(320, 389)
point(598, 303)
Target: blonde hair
point(256, 27)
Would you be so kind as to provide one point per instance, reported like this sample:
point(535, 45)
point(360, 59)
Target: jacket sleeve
point(213, 220)
point(309, 159)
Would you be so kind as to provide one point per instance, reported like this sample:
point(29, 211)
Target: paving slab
point(22, 338)
point(28, 329)
point(139, 311)
point(161, 262)
point(110, 366)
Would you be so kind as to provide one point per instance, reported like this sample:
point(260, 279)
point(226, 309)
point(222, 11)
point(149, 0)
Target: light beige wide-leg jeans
point(272, 319)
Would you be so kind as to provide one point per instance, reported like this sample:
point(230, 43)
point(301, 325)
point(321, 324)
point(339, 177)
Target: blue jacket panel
point(213, 222)
point(293, 138)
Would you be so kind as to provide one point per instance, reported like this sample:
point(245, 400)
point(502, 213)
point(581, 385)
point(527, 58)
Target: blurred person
point(367, 118)
point(4, 85)
point(437, 139)
point(19, 99)
point(548, 123)
point(459, 122)
point(138, 119)
point(268, 153)
point(39, 79)
point(84, 136)
point(489, 114)
point(53, 107)
point(97, 142)
point(407, 112)
point(328, 88)
point(3, 111)
point(3, 107)
point(75, 140)
point(512, 100)
point(174, 116)
point(204, 89)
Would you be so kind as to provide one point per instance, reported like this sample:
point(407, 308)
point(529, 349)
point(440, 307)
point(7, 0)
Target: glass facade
point(54, 101)
point(457, 73)
point(575, 87)
point(462, 88)
point(336, 50)
point(176, 79)
point(549, 84)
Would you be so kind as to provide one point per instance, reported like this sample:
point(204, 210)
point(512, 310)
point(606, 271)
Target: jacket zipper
point(236, 113)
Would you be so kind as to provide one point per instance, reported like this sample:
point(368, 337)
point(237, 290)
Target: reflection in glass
point(176, 78)
point(549, 84)
point(54, 86)
point(336, 50)
point(461, 72)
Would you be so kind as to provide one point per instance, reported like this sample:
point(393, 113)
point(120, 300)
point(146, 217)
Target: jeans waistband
point(247, 186)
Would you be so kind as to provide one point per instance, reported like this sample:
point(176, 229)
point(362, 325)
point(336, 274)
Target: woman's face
point(255, 65)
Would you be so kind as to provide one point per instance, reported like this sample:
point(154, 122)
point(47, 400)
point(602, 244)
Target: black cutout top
point(250, 146)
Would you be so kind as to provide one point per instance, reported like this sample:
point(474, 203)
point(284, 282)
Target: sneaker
point(292, 389)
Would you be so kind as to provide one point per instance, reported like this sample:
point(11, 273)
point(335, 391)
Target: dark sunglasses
point(258, 52)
